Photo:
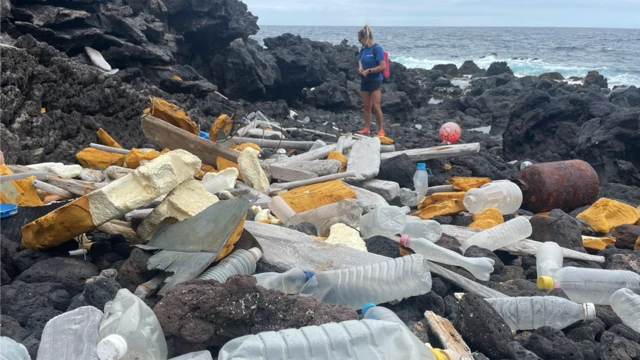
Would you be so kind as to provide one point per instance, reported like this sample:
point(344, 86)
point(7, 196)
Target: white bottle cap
point(589, 311)
point(256, 253)
point(112, 347)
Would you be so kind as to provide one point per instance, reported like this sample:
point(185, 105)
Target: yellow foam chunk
point(336, 155)
point(172, 114)
point(385, 140)
point(312, 196)
point(233, 239)
point(18, 192)
point(447, 167)
point(176, 77)
point(489, 214)
point(466, 183)
point(222, 163)
point(597, 244)
point(637, 245)
point(442, 208)
point(133, 158)
point(244, 146)
point(483, 224)
point(97, 159)
point(442, 196)
point(605, 214)
point(223, 123)
point(106, 139)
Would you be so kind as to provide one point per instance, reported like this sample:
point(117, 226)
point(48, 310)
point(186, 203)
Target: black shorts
point(370, 85)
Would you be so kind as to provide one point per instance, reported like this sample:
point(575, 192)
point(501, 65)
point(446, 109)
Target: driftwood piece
point(76, 187)
point(52, 189)
point(438, 152)
point(448, 336)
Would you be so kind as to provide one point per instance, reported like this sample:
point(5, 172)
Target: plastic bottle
point(501, 235)
point(548, 258)
point(421, 181)
point(81, 325)
point(12, 350)
point(240, 262)
point(346, 208)
point(198, 355)
point(408, 197)
point(317, 145)
point(394, 279)
point(426, 229)
point(502, 195)
point(626, 305)
point(584, 285)
point(529, 313)
point(281, 209)
point(383, 220)
point(224, 180)
point(373, 312)
point(130, 330)
point(481, 267)
point(289, 282)
point(347, 340)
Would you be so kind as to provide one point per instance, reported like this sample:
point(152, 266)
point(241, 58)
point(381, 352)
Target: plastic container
point(394, 279)
point(317, 145)
point(481, 267)
point(12, 350)
point(348, 209)
point(383, 220)
point(584, 285)
point(199, 355)
point(421, 181)
point(347, 340)
point(408, 197)
point(502, 195)
point(130, 330)
point(426, 229)
point(289, 282)
point(501, 235)
point(373, 312)
point(548, 258)
point(81, 325)
point(281, 209)
point(529, 313)
point(626, 305)
point(240, 262)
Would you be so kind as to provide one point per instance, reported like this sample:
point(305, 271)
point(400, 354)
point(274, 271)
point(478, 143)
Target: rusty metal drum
point(565, 185)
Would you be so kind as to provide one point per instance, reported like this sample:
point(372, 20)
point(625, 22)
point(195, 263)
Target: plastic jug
point(421, 181)
point(12, 350)
point(584, 285)
point(383, 220)
point(528, 313)
point(626, 305)
point(289, 282)
point(548, 258)
point(394, 279)
point(240, 262)
point(426, 229)
point(71, 336)
point(130, 330)
point(501, 235)
point(502, 195)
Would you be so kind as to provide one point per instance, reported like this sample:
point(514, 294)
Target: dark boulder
point(469, 68)
point(594, 78)
point(549, 343)
point(626, 236)
point(71, 273)
point(625, 96)
point(20, 300)
point(560, 228)
point(497, 68)
point(552, 75)
point(449, 70)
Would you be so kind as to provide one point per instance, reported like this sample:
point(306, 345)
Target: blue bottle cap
point(421, 166)
point(7, 210)
point(204, 135)
point(367, 306)
point(309, 274)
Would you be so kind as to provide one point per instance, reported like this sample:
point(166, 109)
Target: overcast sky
point(544, 13)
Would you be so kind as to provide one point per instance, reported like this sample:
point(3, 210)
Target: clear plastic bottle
point(347, 340)
point(373, 312)
point(317, 145)
point(130, 330)
point(347, 208)
point(421, 181)
point(198, 355)
point(626, 305)
point(383, 220)
point(240, 262)
point(584, 285)
point(289, 282)
point(548, 258)
point(502, 195)
point(426, 229)
point(529, 313)
point(501, 235)
point(394, 279)
point(12, 350)
point(481, 267)
point(81, 325)
point(281, 209)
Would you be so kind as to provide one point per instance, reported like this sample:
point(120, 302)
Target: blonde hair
point(365, 33)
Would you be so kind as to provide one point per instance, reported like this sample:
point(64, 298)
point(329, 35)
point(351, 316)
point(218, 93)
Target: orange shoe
point(364, 132)
point(381, 133)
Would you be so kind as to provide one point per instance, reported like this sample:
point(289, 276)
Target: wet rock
point(613, 346)
point(450, 70)
point(589, 330)
point(561, 229)
point(589, 350)
point(549, 343)
point(71, 273)
point(98, 292)
point(451, 307)
point(497, 68)
point(607, 315)
point(469, 68)
point(399, 169)
point(134, 271)
point(629, 262)
point(460, 220)
point(37, 321)
point(306, 228)
point(626, 236)
point(626, 96)
point(439, 286)
point(430, 301)
point(482, 328)
point(20, 300)
point(22, 260)
point(476, 252)
point(236, 308)
point(32, 344)
point(626, 332)
point(11, 328)
point(383, 246)
point(518, 352)
point(594, 78)
point(552, 75)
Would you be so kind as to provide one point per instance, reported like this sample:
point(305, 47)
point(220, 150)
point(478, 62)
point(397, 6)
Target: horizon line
point(466, 26)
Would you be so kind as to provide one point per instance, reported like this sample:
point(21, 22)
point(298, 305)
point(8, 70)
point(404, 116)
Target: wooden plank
point(76, 187)
point(437, 152)
point(448, 336)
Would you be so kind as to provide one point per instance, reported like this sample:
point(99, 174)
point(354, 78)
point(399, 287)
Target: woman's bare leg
point(375, 103)
point(366, 100)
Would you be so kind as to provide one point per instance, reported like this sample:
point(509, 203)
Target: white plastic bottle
point(281, 209)
point(584, 285)
point(373, 312)
point(289, 282)
point(529, 313)
point(347, 340)
point(81, 325)
point(626, 305)
point(383, 220)
point(12, 350)
point(501, 235)
point(390, 280)
point(240, 262)
point(347, 208)
point(426, 229)
point(501, 194)
point(421, 181)
point(481, 267)
point(130, 330)
point(198, 355)
point(548, 258)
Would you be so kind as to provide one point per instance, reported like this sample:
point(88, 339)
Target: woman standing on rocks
point(372, 65)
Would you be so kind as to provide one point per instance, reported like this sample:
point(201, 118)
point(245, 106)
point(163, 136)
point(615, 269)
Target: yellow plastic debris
point(18, 192)
point(224, 123)
point(546, 213)
point(203, 170)
point(171, 114)
point(133, 158)
point(487, 219)
point(385, 140)
point(439, 197)
point(336, 155)
point(106, 139)
point(447, 167)
point(637, 245)
point(222, 163)
point(43, 110)
point(597, 244)
point(97, 159)
point(405, 251)
point(176, 77)
point(233, 239)
point(244, 146)
point(466, 183)
point(605, 214)
point(311, 196)
point(442, 208)
point(483, 224)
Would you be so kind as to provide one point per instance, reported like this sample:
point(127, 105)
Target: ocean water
point(614, 53)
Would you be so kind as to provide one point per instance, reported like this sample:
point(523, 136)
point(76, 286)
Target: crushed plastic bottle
point(383, 220)
point(130, 330)
point(480, 267)
point(408, 197)
point(426, 229)
point(347, 209)
point(584, 285)
point(394, 279)
point(421, 181)
point(501, 194)
point(529, 313)
point(289, 282)
point(347, 340)
point(548, 258)
point(501, 235)
point(626, 304)
point(71, 336)
point(12, 350)
point(240, 262)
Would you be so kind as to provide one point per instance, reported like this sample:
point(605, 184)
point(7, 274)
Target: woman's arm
point(380, 68)
point(360, 69)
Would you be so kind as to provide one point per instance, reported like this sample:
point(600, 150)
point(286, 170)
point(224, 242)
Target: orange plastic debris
point(244, 146)
point(637, 245)
point(442, 208)
point(203, 170)
point(106, 139)
point(597, 244)
point(43, 110)
point(385, 140)
point(605, 214)
point(312, 196)
point(222, 163)
point(491, 214)
point(223, 123)
point(233, 239)
point(133, 158)
point(18, 192)
point(336, 155)
point(466, 183)
point(172, 114)
point(442, 196)
point(483, 224)
point(176, 77)
point(97, 159)
point(447, 167)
